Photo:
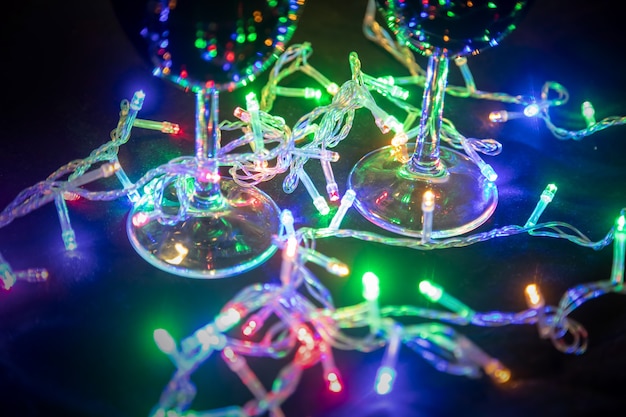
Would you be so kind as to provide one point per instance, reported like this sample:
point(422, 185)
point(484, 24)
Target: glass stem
point(425, 160)
point(207, 142)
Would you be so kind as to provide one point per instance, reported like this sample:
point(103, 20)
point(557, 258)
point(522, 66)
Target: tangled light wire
point(552, 93)
point(297, 318)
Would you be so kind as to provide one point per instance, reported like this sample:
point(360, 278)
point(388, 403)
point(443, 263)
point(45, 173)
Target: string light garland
point(297, 318)
point(309, 326)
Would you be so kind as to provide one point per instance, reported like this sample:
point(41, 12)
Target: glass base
point(229, 237)
point(390, 196)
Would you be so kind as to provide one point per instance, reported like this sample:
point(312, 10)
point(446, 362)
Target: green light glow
point(491, 5)
point(621, 223)
point(200, 43)
point(242, 248)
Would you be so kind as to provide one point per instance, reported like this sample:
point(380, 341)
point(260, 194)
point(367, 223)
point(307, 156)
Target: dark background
point(81, 343)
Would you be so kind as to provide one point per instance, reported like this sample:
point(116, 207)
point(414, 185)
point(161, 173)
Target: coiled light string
point(306, 324)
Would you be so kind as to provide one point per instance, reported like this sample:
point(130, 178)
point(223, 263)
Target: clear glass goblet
point(390, 189)
point(192, 221)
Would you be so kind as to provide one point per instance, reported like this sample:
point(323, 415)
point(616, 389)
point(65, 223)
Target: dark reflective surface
point(198, 44)
point(457, 27)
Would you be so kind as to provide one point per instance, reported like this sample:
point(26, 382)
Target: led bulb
point(227, 319)
point(208, 337)
point(385, 86)
point(164, 126)
point(399, 139)
point(331, 373)
point(32, 275)
point(497, 372)
point(318, 201)
point(428, 206)
point(67, 233)
point(588, 113)
point(436, 294)
point(332, 265)
point(430, 291)
point(332, 190)
point(6, 275)
point(533, 110)
point(334, 384)
point(371, 292)
point(338, 268)
point(313, 93)
point(346, 202)
point(164, 341)
point(371, 288)
point(307, 92)
point(70, 196)
point(288, 260)
point(241, 114)
point(619, 251)
point(104, 171)
point(332, 89)
point(252, 105)
point(386, 373)
point(250, 327)
point(322, 154)
point(136, 102)
point(140, 219)
point(546, 198)
point(535, 301)
point(384, 380)
point(498, 116)
point(256, 321)
point(428, 201)
point(287, 220)
point(485, 169)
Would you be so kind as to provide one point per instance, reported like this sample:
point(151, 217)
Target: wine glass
point(390, 189)
point(192, 221)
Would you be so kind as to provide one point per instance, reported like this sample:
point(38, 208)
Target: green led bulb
point(436, 294)
point(164, 341)
point(371, 288)
point(431, 291)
